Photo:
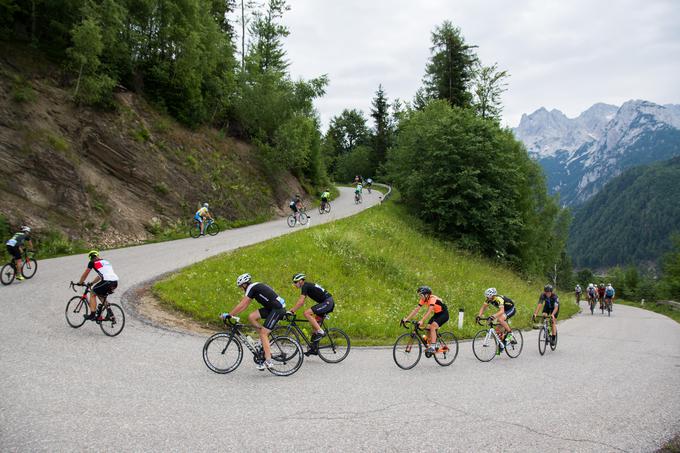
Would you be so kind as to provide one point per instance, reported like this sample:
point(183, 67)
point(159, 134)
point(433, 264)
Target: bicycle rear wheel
point(29, 268)
point(447, 348)
point(334, 346)
point(542, 340)
point(328, 207)
point(195, 230)
point(76, 311)
point(407, 351)
point(113, 320)
point(484, 346)
point(212, 229)
point(291, 221)
point(304, 218)
point(222, 353)
point(287, 356)
point(513, 350)
point(8, 274)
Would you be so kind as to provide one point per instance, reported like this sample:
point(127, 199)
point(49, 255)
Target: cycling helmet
point(243, 278)
point(548, 288)
point(93, 253)
point(609, 284)
point(26, 229)
point(490, 292)
point(424, 290)
point(205, 205)
point(298, 277)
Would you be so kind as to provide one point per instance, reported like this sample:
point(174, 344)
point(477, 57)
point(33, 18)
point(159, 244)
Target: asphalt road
point(611, 385)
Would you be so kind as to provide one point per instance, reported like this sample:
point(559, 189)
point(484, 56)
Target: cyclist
point(436, 308)
point(358, 179)
point(296, 206)
point(104, 284)
point(506, 310)
point(273, 309)
point(551, 307)
point(600, 293)
point(609, 294)
point(369, 184)
point(591, 293)
point(202, 214)
point(325, 197)
point(357, 192)
point(15, 247)
point(324, 303)
point(577, 293)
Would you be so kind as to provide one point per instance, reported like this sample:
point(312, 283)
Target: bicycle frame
point(491, 331)
point(234, 329)
point(418, 332)
point(293, 326)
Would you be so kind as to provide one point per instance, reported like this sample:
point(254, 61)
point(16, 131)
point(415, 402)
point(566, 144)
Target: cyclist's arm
point(30, 243)
point(556, 306)
point(241, 306)
point(413, 313)
point(300, 302)
point(429, 312)
point(540, 304)
point(84, 276)
point(483, 309)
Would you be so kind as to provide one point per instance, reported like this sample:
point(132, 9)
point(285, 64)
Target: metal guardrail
point(671, 303)
point(389, 191)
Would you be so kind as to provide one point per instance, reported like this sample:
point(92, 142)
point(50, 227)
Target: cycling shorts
point(293, 208)
point(548, 310)
point(510, 313)
point(440, 318)
point(14, 251)
point(198, 218)
point(324, 307)
point(324, 200)
point(104, 288)
point(271, 316)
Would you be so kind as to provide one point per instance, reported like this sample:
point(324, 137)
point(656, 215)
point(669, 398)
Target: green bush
point(23, 92)
point(161, 188)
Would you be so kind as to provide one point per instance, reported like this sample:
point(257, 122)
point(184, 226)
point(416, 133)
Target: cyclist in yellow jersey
point(506, 310)
point(202, 214)
point(325, 196)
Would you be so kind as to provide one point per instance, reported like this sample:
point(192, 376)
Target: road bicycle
point(369, 189)
point(302, 218)
point(607, 305)
point(591, 302)
point(544, 335)
point(578, 298)
point(487, 342)
point(409, 347)
point(29, 267)
point(211, 228)
point(223, 351)
point(110, 317)
point(325, 208)
point(357, 198)
point(333, 347)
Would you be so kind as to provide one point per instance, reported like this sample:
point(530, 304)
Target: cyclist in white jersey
point(104, 284)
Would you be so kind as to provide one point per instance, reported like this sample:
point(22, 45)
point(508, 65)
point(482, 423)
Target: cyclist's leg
point(553, 320)
point(273, 317)
point(502, 320)
point(319, 309)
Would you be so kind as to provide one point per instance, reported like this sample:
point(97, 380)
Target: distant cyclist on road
point(600, 294)
point(592, 293)
point(104, 284)
point(357, 192)
point(609, 295)
point(550, 304)
point(369, 184)
point(325, 198)
point(15, 247)
point(436, 308)
point(506, 310)
point(296, 206)
point(201, 215)
point(324, 303)
point(273, 309)
point(577, 293)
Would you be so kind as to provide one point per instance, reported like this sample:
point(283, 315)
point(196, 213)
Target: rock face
point(579, 155)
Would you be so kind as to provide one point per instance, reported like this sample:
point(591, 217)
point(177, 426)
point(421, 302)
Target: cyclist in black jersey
point(506, 310)
point(550, 303)
point(273, 309)
point(324, 303)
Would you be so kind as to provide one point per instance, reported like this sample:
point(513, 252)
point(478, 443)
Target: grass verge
point(372, 263)
point(656, 308)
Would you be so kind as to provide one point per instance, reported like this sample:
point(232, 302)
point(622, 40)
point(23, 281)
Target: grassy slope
point(371, 263)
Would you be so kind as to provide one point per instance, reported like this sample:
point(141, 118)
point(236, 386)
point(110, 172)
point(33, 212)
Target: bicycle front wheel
point(542, 340)
point(212, 229)
point(514, 348)
point(291, 221)
point(29, 268)
point(328, 207)
point(195, 230)
point(484, 346)
point(287, 356)
point(222, 353)
point(8, 274)
point(334, 346)
point(304, 218)
point(407, 351)
point(553, 345)
point(76, 311)
point(113, 320)
point(447, 348)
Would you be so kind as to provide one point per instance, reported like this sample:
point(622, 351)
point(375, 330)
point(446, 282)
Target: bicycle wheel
point(334, 346)
point(609, 308)
point(328, 207)
point(513, 350)
point(195, 230)
point(553, 345)
point(291, 221)
point(542, 340)
point(284, 331)
point(484, 346)
point(76, 311)
point(407, 351)
point(321, 210)
point(592, 308)
point(286, 355)
point(29, 268)
point(304, 218)
point(212, 229)
point(113, 320)
point(447, 348)
point(222, 353)
point(8, 274)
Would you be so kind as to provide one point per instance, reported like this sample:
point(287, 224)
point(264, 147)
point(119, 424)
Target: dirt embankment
point(113, 177)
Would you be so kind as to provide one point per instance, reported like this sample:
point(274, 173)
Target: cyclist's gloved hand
point(477, 318)
point(533, 318)
point(225, 316)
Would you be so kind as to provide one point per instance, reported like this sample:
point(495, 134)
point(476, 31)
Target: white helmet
point(590, 285)
point(26, 229)
point(609, 285)
point(243, 278)
point(205, 205)
point(490, 292)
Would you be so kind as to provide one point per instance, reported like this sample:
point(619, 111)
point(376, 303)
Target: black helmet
point(424, 290)
point(548, 288)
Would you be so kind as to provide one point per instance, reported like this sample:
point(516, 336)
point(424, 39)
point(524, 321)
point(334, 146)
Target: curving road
point(612, 384)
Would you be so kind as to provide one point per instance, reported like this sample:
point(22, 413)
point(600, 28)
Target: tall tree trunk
point(243, 36)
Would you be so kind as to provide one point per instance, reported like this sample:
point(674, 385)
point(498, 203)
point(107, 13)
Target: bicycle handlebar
point(231, 320)
point(488, 321)
point(73, 285)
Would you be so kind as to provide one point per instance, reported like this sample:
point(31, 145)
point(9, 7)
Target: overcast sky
point(563, 54)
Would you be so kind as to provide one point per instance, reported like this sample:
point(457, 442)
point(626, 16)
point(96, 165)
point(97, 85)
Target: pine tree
point(381, 126)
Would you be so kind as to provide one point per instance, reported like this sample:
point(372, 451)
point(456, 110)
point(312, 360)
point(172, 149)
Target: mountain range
point(579, 155)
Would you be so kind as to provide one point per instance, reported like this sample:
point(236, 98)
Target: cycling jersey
point(549, 303)
point(358, 189)
point(609, 292)
point(496, 301)
point(577, 289)
point(104, 269)
point(18, 240)
point(600, 292)
point(433, 301)
point(325, 196)
point(314, 292)
point(203, 212)
point(265, 295)
point(591, 292)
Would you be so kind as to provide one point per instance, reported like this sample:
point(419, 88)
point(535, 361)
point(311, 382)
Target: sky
point(563, 54)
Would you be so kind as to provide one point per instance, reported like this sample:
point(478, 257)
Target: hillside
point(630, 220)
point(372, 263)
point(115, 177)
